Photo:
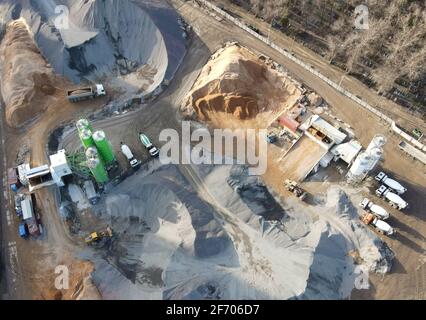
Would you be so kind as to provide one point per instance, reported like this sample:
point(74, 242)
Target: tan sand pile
point(80, 287)
point(237, 82)
point(26, 78)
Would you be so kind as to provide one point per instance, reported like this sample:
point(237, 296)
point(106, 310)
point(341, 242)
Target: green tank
point(86, 138)
point(83, 124)
point(104, 147)
point(98, 170)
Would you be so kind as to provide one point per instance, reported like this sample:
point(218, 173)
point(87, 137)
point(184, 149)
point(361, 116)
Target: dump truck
point(86, 93)
point(153, 151)
point(382, 227)
point(390, 183)
point(134, 163)
point(97, 236)
point(18, 207)
point(29, 216)
point(370, 207)
point(293, 187)
point(394, 200)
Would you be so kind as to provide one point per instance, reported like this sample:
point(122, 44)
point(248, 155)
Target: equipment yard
point(338, 212)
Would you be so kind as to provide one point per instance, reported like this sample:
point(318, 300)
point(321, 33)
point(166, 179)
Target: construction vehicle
point(390, 183)
point(292, 186)
point(91, 194)
point(382, 227)
point(29, 216)
point(86, 93)
point(153, 151)
point(134, 163)
point(13, 179)
point(98, 236)
point(370, 207)
point(394, 200)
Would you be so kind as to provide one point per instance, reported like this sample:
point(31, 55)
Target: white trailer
point(391, 183)
point(134, 163)
point(395, 200)
point(378, 211)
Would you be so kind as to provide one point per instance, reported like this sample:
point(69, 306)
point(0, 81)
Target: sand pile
point(112, 41)
point(236, 81)
point(80, 284)
point(231, 240)
point(26, 78)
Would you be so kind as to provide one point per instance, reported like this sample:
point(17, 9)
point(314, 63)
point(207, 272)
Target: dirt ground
point(407, 279)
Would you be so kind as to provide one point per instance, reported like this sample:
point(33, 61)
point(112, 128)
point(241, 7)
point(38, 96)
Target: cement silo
point(375, 154)
point(104, 147)
point(92, 152)
point(359, 168)
point(98, 170)
point(83, 124)
point(378, 142)
point(86, 138)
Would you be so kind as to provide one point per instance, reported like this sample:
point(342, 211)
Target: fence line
point(333, 84)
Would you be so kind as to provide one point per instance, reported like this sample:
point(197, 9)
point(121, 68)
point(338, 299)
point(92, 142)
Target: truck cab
point(100, 90)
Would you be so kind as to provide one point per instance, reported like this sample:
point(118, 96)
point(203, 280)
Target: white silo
point(375, 154)
point(360, 167)
point(377, 142)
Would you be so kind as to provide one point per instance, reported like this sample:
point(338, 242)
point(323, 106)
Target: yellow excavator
point(98, 236)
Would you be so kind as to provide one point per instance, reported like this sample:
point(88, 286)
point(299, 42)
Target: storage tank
point(375, 154)
point(92, 152)
point(98, 170)
point(86, 138)
point(104, 147)
point(360, 167)
point(83, 124)
point(378, 142)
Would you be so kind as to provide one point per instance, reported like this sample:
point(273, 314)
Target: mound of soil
point(237, 82)
point(26, 78)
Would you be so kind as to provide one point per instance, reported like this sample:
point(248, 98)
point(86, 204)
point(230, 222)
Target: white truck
point(391, 183)
point(383, 227)
point(153, 151)
point(378, 211)
point(134, 163)
point(395, 200)
point(86, 93)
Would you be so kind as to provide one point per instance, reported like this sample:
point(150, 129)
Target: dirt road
point(409, 245)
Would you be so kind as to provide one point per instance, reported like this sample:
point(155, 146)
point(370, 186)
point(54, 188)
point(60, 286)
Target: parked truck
point(378, 211)
point(29, 216)
point(134, 163)
point(394, 200)
point(153, 151)
point(86, 93)
point(391, 183)
point(91, 194)
point(371, 220)
point(293, 187)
